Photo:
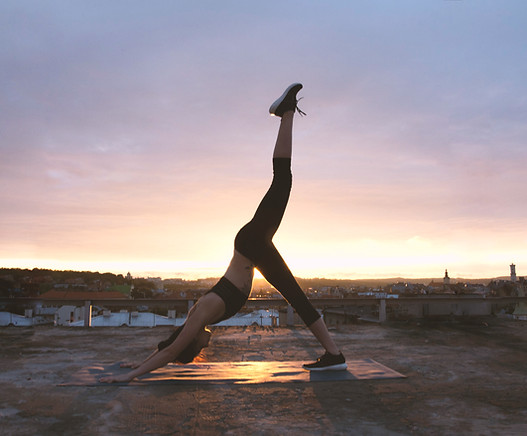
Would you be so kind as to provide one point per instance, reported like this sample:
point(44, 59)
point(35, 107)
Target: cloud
point(127, 127)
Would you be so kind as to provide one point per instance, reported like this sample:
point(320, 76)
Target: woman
point(253, 248)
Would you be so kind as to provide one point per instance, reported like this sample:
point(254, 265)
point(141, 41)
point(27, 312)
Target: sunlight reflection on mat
point(237, 373)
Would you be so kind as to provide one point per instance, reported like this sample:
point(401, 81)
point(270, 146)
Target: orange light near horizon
point(414, 259)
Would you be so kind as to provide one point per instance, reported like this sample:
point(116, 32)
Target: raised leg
point(254, 241)
point(284, 140)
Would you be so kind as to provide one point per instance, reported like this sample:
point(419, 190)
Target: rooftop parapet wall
point(381, 309)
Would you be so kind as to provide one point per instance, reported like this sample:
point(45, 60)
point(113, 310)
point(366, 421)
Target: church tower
point(446, 279)
point(514, 279)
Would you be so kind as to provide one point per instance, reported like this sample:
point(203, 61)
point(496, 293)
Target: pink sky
point(135, 136)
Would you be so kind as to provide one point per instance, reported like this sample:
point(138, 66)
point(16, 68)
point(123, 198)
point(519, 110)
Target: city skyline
point(135, 137)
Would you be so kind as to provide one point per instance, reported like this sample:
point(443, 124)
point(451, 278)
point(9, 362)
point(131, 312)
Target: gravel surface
point(465, 376)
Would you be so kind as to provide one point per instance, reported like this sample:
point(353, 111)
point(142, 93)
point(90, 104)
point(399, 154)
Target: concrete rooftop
point(465, 376)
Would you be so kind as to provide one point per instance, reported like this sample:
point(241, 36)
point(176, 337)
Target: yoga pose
point(253, 248)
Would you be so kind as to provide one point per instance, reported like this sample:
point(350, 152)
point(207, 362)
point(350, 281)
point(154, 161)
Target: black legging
point(254, 241)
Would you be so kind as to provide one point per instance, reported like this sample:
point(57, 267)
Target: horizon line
point(152, 275)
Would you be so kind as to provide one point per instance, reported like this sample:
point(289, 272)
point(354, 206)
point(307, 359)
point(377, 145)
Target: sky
point(135, 136)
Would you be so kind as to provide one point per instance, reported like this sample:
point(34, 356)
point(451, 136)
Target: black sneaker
point(328, 362)
point(287, 101)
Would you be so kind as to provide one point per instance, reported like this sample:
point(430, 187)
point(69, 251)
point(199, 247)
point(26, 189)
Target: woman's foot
point(327, 362)
point(287, 101)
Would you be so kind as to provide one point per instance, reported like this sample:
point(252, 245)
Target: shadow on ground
point(464, 377)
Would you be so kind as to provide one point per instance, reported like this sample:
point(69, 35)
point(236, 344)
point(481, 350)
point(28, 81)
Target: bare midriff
point(240, 272)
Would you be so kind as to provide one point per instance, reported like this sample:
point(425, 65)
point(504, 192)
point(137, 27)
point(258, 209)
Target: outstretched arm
point(160, 358)
point(208, 309)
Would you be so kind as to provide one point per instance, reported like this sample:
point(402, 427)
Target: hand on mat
point(123, 378)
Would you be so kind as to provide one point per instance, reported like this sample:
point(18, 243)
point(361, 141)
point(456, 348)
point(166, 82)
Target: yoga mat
point(236, 373)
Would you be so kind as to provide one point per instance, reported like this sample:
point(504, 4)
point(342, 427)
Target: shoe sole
point(277, 103)
point(338, 367)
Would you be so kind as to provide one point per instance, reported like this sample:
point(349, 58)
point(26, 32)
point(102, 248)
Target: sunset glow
point(139, 141)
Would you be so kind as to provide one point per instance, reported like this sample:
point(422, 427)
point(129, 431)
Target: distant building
point(446, 279)
point(73, 313)
point(514, 279)
point(65, 315)
point(82, 295)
